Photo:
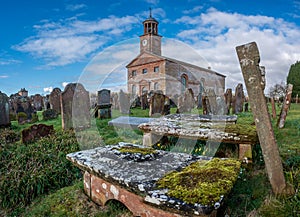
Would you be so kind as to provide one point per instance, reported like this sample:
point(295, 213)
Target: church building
point(152, 71)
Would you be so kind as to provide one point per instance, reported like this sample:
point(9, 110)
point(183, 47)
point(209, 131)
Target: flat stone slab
point(129, 122)
point(198, 127)
point(228, 119)
point(138, 173)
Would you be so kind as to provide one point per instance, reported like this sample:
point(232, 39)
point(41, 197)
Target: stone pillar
point(239, 99)
point(297, 99)
point(285, 106)
point(228, 99)
point(273, 108)
point(249, 58)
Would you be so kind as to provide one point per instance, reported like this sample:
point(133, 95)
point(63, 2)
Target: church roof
point(140, 60)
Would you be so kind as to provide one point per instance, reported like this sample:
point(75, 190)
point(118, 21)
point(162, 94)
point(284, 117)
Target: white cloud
point(75, 7)
point(64, 84)
point(48, 89)
point(3, 76)
point(71, 40)
point(193, 10)
point(215, 34)
point(8, 61)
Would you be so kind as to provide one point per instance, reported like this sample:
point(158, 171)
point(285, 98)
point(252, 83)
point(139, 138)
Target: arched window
point(133, 89)
point(144, 89)
point(184, 80)
point(156, 86)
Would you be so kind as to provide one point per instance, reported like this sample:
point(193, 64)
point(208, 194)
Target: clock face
point(144, 42)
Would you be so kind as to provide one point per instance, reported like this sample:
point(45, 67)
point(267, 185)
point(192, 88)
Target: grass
point(24, 166)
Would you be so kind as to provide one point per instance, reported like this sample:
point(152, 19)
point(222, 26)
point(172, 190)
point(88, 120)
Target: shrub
point(27, 171)
point(49, 114)
point(22, 117)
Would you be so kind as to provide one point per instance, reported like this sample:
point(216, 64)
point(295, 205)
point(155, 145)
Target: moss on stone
point(135, 150)
point(246, 132)
point(202, 182)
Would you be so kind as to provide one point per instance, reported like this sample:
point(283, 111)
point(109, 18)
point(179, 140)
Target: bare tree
point(277, 91)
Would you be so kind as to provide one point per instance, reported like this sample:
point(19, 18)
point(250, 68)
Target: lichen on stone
point(202, 182)
point(137, 150)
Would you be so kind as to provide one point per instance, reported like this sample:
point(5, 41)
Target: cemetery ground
point(36, 179)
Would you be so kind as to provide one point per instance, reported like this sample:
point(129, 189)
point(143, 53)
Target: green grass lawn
point(43, 164)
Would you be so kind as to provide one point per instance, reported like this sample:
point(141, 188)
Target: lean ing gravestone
point(249, 59)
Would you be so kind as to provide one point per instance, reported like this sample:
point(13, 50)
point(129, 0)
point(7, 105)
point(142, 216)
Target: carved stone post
point(285, 106)
point(273, 108)
point(249, 58)
point(228, 99)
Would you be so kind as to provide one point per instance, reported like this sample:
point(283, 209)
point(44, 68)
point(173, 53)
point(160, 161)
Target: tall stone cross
point(249, 59)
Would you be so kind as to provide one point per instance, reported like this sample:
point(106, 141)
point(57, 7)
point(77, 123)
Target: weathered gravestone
point(186, 102)
point(103, 104)
point(35, 132)
point(4, 110)
point(124, 102)
point(135, 102)
point(228, 99)
point(249, 59)
point(75, 111)
point(239, 99)
point(38, 102)
point(285, 106)
point(212, 104)
point(157, 103)
point(115, 101)
point(54, 100)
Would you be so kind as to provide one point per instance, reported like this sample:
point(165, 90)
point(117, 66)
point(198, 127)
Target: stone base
point(101, 191)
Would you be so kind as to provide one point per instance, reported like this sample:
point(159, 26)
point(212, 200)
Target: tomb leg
point(149, 139)
point(245, 151)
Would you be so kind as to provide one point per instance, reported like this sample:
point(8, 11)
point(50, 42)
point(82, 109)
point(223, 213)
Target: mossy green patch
point(203, 182)
point(135, 149)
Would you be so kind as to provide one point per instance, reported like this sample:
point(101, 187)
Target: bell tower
point(150, 41)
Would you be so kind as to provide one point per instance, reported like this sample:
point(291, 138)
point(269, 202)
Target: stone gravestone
point(239, 99)
point(54, 100)
point(4, 110)
point(38, 102)
point(285, 106)
point(124, 102)
point(144, 101)
point(75, 107)
point(104, 104)
point(115, 101)
point(186, 102)
point(210, 102)
point(249, 58)
point(157, 103)
point(228, 99)
point(221, 106)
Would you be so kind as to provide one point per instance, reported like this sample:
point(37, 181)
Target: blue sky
point(46, 44)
